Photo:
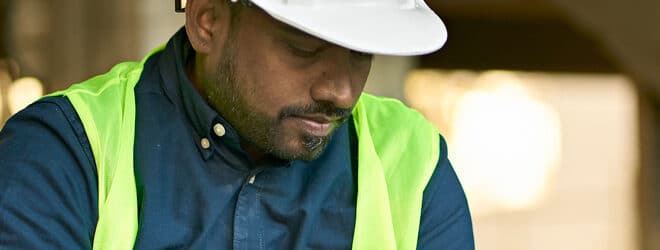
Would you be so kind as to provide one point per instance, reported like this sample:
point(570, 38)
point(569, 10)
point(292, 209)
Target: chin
point(305, 148)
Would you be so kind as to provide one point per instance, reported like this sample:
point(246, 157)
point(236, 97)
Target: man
point(248, 130)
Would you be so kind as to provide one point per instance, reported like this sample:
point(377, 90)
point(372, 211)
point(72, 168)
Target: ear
point(206, 20)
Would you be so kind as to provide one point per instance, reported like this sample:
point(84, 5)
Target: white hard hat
point(389, 27)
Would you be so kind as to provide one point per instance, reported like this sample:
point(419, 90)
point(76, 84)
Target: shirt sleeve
point(445, 223)
point(47, 179)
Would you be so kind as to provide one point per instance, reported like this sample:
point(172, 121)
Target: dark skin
point(283, 90)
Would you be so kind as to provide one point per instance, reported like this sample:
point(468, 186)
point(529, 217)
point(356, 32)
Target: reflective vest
point(397, 153)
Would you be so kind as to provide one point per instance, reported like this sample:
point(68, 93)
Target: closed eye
point(305, 52)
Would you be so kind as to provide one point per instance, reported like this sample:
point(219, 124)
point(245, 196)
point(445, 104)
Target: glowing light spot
point(23, 92)
point(506, 141)
point(502, 139)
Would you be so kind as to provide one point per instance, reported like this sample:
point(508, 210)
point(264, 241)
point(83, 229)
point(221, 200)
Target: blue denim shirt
point(194, 196)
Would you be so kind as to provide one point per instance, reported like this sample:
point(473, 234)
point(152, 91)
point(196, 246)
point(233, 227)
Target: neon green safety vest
point(397, 154)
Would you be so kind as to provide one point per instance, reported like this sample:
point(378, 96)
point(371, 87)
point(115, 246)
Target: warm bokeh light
point(23, 92)
point(547, 160)
point(505, 141)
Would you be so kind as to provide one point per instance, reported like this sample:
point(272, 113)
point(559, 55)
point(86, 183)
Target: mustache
point(316, 108)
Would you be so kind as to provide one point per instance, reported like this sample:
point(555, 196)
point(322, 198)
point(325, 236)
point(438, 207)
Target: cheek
point(271, 85)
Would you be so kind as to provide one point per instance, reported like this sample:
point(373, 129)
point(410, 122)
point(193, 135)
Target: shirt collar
point(181, 91)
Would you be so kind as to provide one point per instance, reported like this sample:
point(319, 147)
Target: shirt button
point(206, 144)
point(219, 130)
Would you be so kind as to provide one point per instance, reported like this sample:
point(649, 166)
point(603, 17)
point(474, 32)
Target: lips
point(317, 125)
point(319, 118)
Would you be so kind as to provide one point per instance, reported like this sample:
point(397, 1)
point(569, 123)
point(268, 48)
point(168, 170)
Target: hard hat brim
point(368, 29)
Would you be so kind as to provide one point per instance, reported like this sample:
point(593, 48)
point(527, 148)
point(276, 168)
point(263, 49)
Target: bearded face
point(284, 91)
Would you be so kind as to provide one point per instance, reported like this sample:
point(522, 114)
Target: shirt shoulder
point(445, 221)
point(47, 179)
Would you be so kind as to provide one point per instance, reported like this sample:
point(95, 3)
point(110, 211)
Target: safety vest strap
point(106, 107)
point(398, 151)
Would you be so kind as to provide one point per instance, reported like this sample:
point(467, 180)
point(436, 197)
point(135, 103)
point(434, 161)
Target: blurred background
point(551, 108)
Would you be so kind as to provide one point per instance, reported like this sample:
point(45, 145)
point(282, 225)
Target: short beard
point(258, 129)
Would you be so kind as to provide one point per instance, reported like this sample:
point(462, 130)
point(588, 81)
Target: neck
point(253, 152)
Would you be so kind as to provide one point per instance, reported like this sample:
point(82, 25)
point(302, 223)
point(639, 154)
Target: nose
point(336, 82)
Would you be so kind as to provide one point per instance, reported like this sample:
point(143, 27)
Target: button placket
point(246, 234)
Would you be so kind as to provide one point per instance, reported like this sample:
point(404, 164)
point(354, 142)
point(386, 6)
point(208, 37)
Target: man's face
point(283, 90)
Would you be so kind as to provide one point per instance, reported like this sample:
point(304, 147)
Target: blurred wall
point(4, 25)
point(66, 41)
point(158, 22)
point(630, 31)
point(388, 75)
point(5, 76)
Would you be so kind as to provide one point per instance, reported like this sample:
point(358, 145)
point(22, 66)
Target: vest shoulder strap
point(398, 152)
point(106, 107)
